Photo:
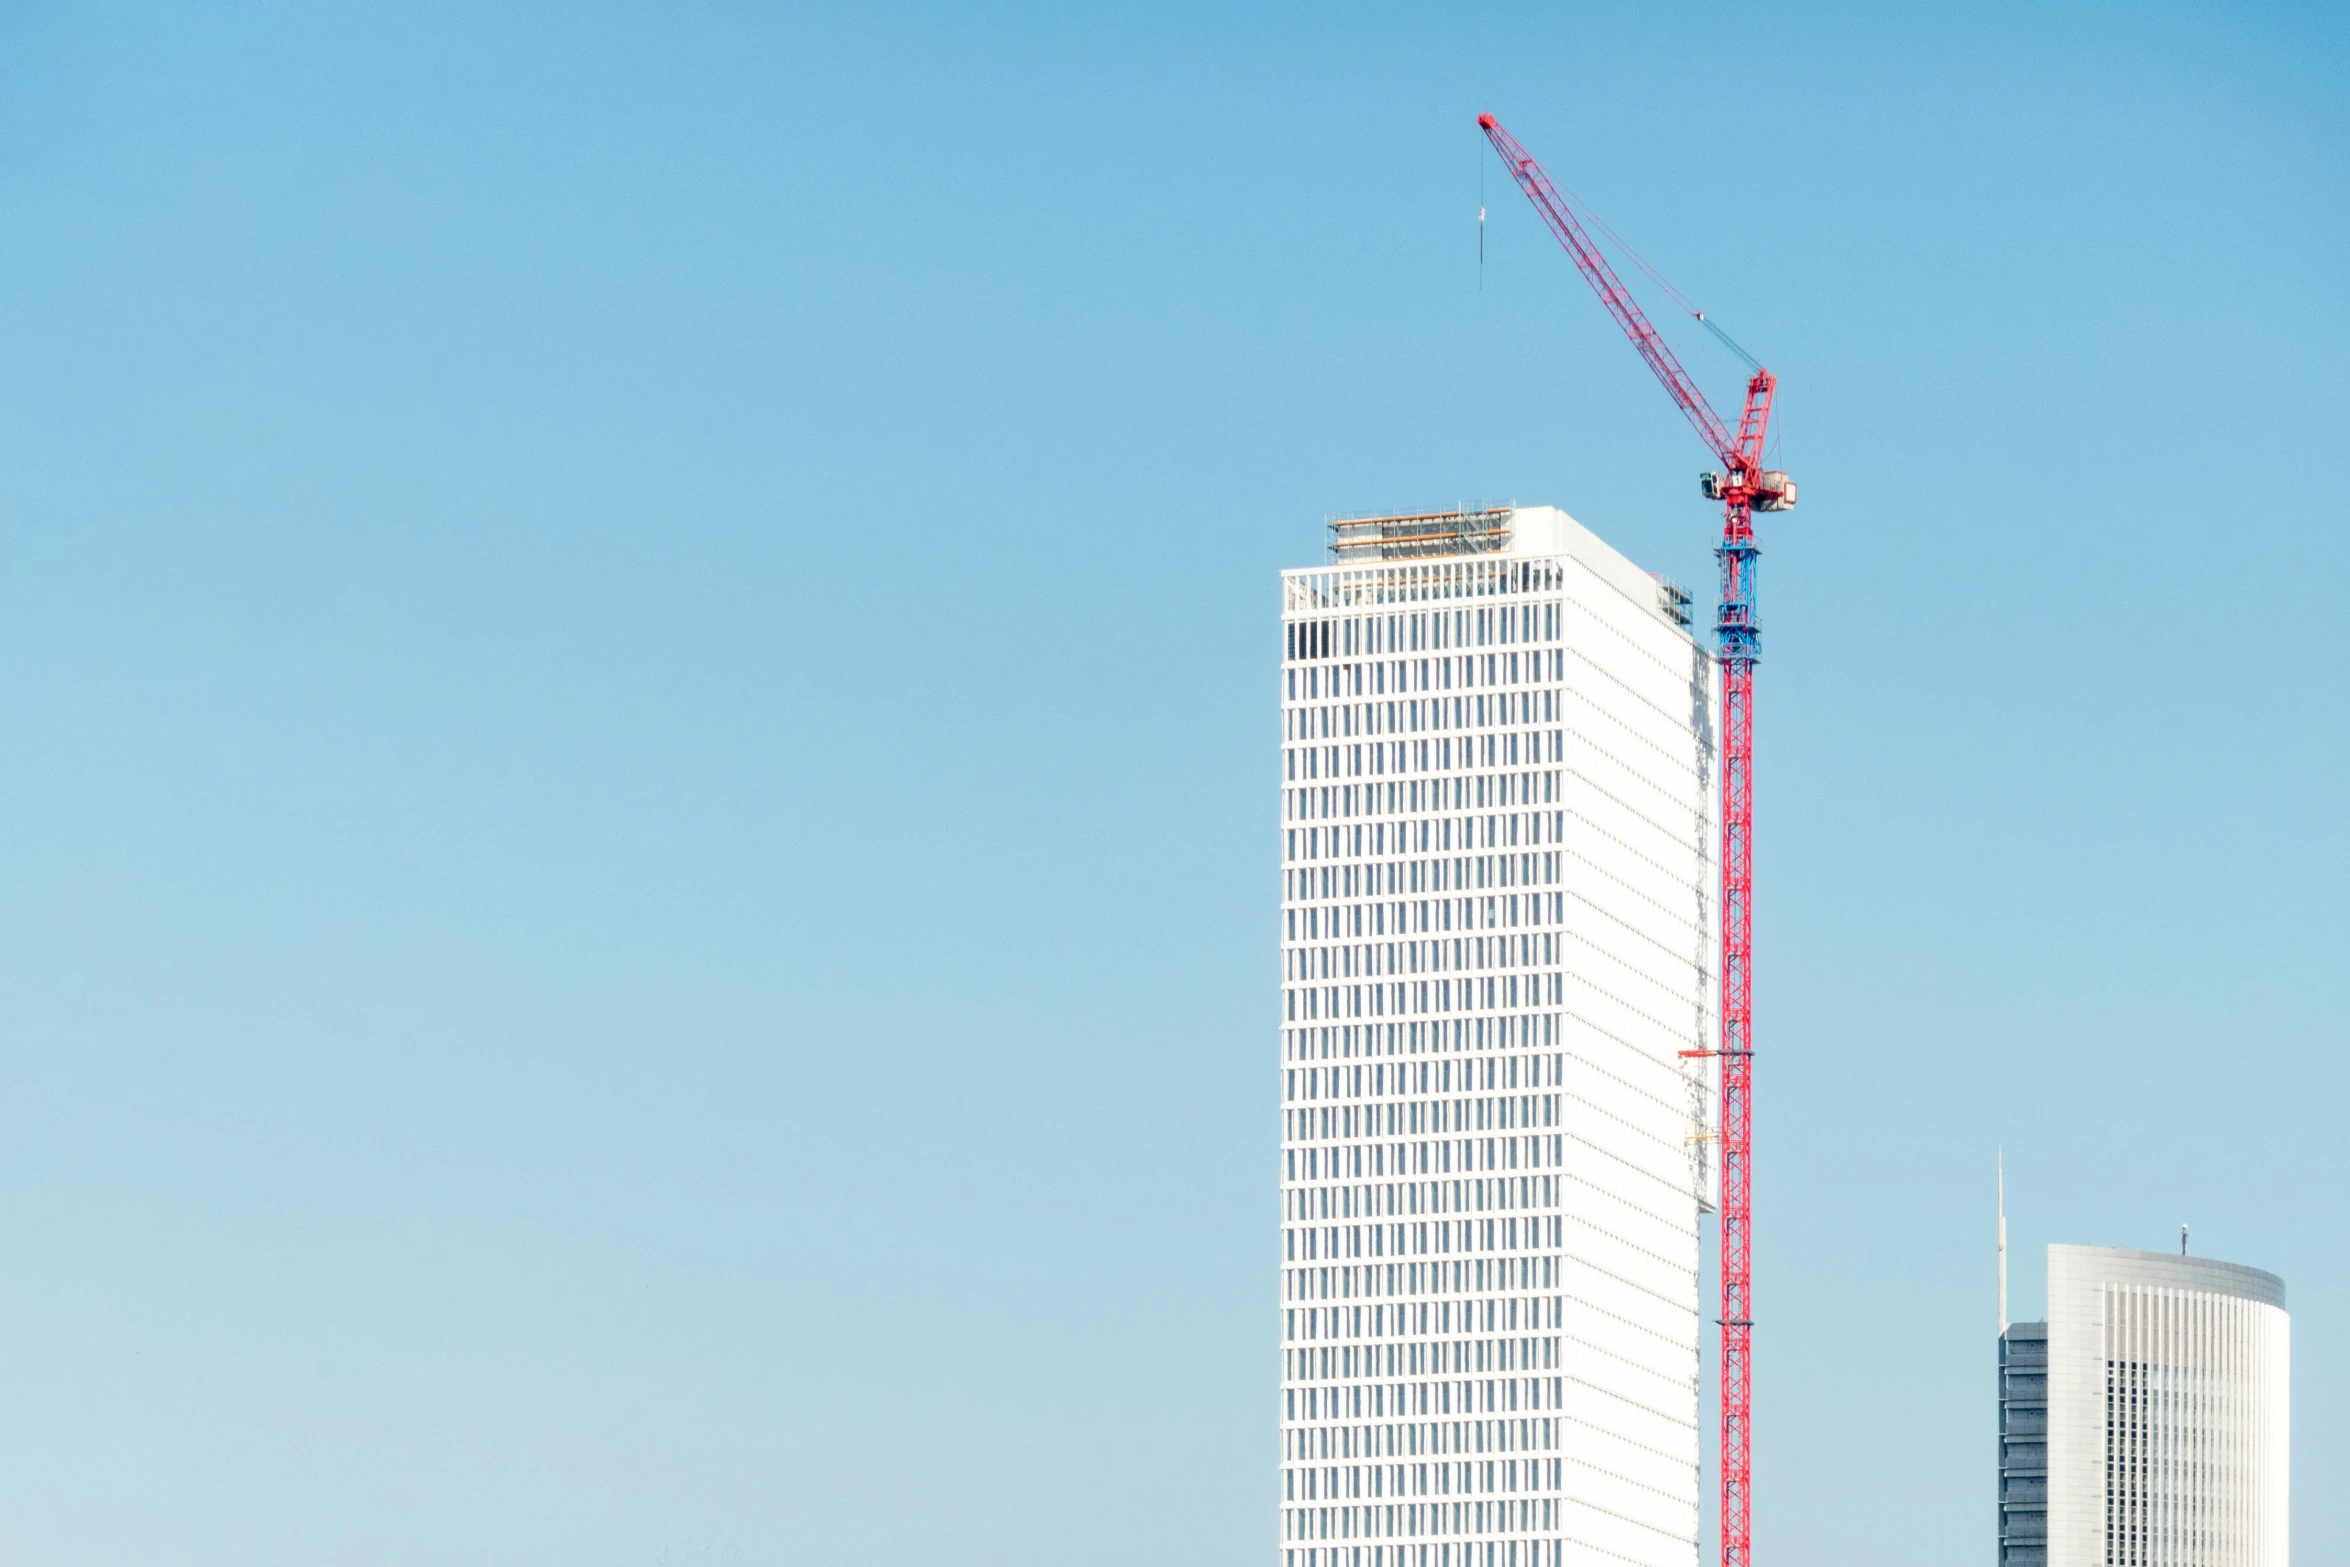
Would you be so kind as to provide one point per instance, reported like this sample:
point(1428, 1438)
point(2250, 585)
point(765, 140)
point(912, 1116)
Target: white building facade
point(2168, 1408)
point(1498, 941)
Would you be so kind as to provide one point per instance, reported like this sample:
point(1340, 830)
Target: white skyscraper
point(1498, 940)
point(2146, 1423)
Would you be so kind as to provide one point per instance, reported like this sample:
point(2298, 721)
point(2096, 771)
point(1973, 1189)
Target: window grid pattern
point(1496, 917)
point(2186, 1448)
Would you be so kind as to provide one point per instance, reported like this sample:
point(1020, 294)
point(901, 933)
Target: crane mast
point(1743, 487)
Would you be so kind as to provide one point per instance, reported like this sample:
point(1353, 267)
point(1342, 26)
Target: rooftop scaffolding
point(1484, 530)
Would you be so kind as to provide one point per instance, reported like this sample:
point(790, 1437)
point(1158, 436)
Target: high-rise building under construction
point(1498, 949)
point(2146, 1422)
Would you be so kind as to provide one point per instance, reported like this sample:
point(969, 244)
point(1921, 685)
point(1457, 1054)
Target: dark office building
point(2023, 1445)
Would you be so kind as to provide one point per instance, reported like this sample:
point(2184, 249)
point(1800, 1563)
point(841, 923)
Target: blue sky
point(637, 801)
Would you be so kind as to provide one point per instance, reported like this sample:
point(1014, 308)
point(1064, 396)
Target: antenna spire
point(2002, 1156)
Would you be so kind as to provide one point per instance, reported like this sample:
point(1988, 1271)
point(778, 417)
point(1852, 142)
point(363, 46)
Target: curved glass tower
point(2145, 1423)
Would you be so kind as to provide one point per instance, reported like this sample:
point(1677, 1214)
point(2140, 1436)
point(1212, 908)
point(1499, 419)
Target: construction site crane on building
point(1744, 487)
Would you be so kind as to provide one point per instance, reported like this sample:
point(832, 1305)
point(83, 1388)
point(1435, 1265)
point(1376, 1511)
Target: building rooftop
point(1509, 532)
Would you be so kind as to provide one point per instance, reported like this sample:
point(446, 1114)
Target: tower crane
point(1744, 487)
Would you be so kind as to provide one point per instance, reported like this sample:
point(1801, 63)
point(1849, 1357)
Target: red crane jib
point(1741, 453)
